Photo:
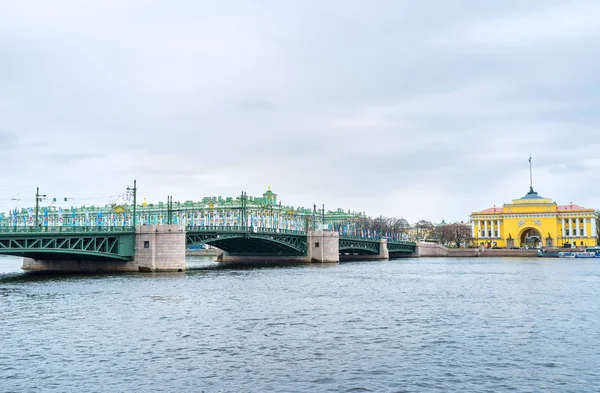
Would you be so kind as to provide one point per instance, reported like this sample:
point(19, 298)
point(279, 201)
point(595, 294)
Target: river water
point(412, 325)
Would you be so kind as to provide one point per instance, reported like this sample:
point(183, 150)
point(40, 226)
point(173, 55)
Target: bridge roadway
point(124, 244)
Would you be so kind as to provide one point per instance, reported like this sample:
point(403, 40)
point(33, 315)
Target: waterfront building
point(265, 211)
point(534, 221)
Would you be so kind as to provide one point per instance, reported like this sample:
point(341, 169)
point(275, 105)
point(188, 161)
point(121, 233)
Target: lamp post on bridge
point(170, 209)
point(243, 217)
point(134, 191)
point(38, 199)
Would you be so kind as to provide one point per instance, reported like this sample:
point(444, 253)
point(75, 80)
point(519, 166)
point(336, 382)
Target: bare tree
point(457, 233)
point(385, 224)
point(424, 229)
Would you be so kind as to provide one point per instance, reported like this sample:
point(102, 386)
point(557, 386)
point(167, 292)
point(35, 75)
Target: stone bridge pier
point(323, 247)
point(157, 248)
point(160, 248)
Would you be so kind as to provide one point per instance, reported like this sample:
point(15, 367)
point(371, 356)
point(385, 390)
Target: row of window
point(567, 231)
point(498, 223)
point(482, 233)
point(489, 234)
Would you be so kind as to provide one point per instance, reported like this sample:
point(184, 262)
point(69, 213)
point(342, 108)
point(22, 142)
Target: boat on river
point(592, 252)
point(586, 254)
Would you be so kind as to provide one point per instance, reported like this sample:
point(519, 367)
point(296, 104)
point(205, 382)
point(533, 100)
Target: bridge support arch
point(383, 253)
point(321, 247)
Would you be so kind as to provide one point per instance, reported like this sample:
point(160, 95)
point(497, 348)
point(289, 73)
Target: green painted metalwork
point(401, 247)
point(245, 241)
point(66, 229)
point(355, 245)
point(69, 245)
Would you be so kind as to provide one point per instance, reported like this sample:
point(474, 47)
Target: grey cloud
point(257, 105)
point(378, 106)
point(70, 158)
point(570, 168)
point(7, 140)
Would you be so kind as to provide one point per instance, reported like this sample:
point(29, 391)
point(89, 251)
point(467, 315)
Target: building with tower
point(535, 221)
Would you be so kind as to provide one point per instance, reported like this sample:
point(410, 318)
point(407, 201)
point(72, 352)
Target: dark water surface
point(419, 325)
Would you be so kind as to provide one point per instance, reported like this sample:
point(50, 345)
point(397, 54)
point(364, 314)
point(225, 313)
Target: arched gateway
point(530, 237)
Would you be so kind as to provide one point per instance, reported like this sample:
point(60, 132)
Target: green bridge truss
point(70, 243)
point(248, 241)
point(118, 243)
point(362, 246)
point(397, 247)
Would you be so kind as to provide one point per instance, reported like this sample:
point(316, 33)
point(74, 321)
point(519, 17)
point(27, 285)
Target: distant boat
point(588, 253)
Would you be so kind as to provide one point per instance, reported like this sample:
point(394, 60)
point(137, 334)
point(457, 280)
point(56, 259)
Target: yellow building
point(535, 221)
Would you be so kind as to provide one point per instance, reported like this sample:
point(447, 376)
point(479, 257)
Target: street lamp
point(38, 199)
point(243, 214)
point(134, 191)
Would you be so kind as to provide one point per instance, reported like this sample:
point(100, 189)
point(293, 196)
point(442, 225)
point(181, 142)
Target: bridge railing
point(244, 229)
point(354, 237)
point(374, 238)
point(401, 242)
point(65, 229)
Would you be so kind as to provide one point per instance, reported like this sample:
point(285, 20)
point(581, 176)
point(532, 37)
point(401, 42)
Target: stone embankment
point(210, 252)
point(438, 250)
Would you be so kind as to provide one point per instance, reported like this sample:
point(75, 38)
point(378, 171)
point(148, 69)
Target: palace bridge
point(146, 237)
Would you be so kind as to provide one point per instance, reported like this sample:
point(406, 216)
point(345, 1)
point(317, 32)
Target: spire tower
point(530, 176)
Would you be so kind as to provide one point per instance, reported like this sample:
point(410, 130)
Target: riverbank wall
point(207, 252)
point(438, 250)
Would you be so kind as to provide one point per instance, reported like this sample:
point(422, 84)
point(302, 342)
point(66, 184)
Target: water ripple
point(439, 325)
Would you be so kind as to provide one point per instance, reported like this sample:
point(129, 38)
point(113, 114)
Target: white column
point(584, 227)
point(492, 228)
point(498, 227)
point(485, 228)
point(571, 227)
point(593, 234)
point(563, 227)
point(577, 227)
point(472, 229)
point(479, 228)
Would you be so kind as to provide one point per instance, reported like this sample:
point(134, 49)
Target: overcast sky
point(418, 109)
